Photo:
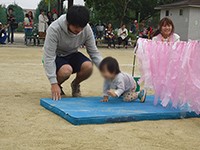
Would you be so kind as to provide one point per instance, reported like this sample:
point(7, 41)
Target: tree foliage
point(3, 14)
point(118, 11)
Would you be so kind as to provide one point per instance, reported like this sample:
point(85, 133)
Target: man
point(11, 25)
point(61, 56)
point(3, 35)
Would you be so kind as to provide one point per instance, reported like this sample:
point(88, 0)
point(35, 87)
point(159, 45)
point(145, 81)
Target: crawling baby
point(118, 83)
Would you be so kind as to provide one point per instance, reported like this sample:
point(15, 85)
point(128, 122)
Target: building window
point(167, 13)
point(181, 12)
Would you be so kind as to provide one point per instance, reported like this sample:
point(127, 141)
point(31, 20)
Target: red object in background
point(55, 11)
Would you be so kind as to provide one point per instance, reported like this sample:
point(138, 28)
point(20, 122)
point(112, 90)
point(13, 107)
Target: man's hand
point(112, 93)
point(105, 99)
point(55, 91)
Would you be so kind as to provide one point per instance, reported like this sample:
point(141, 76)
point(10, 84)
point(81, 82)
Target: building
point(186, 17)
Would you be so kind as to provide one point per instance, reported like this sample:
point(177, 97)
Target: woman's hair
point(110, 26)
point(49, 12)
point(111, 64)
point(123, 24)
point(31, 14)
point(42, 10)
point(163, 22)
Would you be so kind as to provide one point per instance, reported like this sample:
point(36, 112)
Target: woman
point(165, 31)
point(30, 16)
point(27, 28)
point(123, 36)
point(50, 18)
point(110, 37)
point(42, 26)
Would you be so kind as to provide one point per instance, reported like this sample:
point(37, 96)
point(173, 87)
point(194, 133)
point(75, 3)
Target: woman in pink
point(166, 31)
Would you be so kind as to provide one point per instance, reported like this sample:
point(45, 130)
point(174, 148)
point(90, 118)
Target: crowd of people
point(10, 28)
point(120, 36)
point(44, 20)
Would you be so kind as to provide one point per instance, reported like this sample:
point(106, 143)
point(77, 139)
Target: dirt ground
point(25, 125)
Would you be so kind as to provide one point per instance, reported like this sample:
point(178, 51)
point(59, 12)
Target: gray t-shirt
point(122, 83)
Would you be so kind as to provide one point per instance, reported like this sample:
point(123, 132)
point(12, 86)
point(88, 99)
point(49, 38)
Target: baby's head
point(109, 68)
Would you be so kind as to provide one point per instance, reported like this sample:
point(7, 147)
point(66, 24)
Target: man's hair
point(111, 64)
point(10, 8)
point(78, 16)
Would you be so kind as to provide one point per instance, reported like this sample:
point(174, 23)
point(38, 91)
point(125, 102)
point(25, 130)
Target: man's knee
point(87, 66)
point(65, 71)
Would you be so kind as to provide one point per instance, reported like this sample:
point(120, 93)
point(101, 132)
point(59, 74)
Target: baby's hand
point(105, 99)
point(112, 93)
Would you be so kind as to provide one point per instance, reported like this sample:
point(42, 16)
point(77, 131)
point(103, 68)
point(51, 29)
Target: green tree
point(18, 12)
point(118, 11)
point(3, 17)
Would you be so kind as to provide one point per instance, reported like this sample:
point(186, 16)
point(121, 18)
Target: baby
point(118, 83)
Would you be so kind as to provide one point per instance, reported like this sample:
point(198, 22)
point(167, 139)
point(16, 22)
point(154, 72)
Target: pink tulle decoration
point(172, 70)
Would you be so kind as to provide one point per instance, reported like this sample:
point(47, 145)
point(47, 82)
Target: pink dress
point(172, 70)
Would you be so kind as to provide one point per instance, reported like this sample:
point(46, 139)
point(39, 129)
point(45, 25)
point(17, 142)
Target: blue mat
point(89, 110)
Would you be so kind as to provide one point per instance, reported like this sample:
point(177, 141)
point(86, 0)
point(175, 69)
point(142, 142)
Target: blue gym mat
point(89, 110)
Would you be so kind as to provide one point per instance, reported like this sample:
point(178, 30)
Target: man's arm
point(92, 48)
point(50, 47)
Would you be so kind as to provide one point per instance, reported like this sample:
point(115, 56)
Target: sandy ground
point(25, 125)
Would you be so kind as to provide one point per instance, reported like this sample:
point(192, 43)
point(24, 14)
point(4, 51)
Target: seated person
point(3, 35)
point(165, 32)
point(118, 83)
point(110, 36)
point(123, 36)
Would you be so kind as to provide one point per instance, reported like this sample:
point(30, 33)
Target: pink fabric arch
point(172, 70)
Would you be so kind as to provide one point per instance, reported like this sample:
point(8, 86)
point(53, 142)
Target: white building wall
point(181, 22)
point(194, 24)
